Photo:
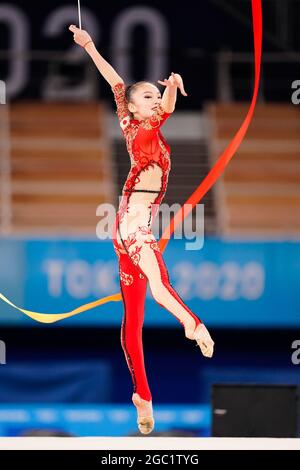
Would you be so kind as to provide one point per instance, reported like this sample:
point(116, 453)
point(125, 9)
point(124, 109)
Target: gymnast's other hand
point(174, 80)
point(80, 36)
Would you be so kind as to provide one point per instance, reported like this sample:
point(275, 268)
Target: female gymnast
point(142, 111)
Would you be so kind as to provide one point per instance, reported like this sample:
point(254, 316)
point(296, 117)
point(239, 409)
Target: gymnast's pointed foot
point(145, 418)
point(203, 339)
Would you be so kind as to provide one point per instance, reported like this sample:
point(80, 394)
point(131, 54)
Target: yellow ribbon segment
point(53, 317)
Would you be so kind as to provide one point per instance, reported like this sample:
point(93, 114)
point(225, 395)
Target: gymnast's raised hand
point(174, 81)
point(80, 36)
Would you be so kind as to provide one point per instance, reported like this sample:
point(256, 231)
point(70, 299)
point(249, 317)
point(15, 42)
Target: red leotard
point(140, 259)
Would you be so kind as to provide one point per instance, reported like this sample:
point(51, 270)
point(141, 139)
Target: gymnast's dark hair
point(130, 89)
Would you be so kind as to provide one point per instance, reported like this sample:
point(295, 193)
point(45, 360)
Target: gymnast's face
point(144, 101)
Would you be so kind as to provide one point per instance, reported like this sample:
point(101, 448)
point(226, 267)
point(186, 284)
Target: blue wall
point(228, 284)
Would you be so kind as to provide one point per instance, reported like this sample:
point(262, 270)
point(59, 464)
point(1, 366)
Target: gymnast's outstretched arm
point(84, 40)
point(170, 94)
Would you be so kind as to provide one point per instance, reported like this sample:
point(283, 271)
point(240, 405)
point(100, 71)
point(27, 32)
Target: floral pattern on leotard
point(136, 134)
point(146, 147)
point(126, 279)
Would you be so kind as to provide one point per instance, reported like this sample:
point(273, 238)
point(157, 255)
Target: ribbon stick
point(202, 189)
point(79, 14)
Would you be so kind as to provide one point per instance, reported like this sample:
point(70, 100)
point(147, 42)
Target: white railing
point(225, 78)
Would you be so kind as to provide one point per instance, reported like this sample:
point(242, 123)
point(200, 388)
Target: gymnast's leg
point(134, 229)
point(152, 264)
point(146, 255)
point(133, 289)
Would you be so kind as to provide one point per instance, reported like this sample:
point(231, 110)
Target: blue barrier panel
point(100, 420)
point(62, 381)
point(228, 284)
point(12, 276)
